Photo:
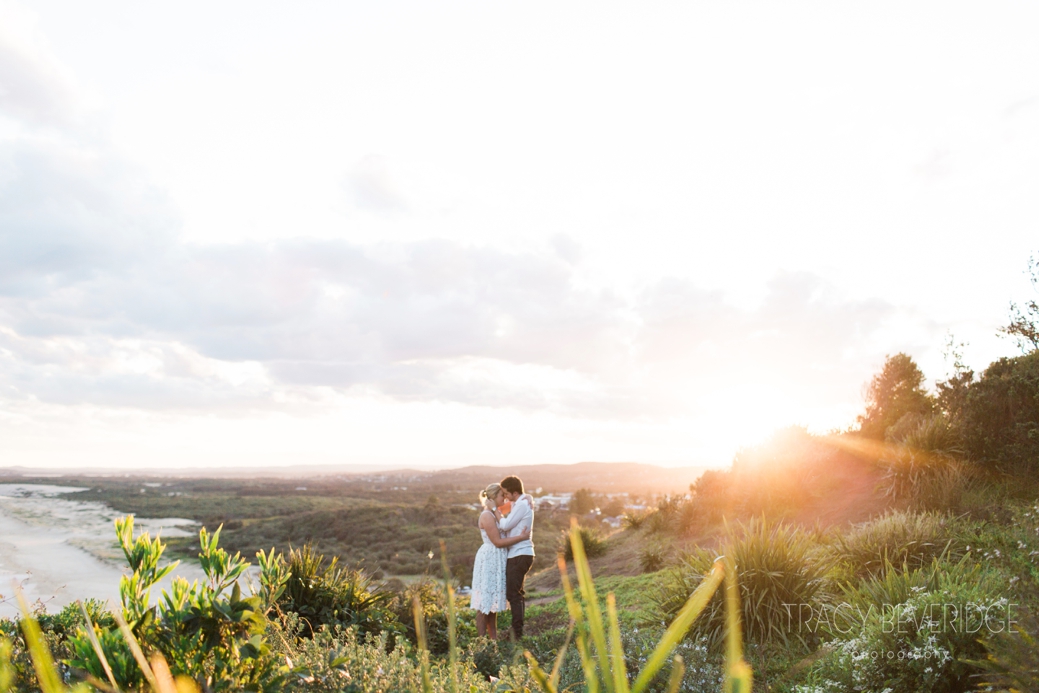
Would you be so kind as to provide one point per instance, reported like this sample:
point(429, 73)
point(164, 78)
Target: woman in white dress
point(488, 595)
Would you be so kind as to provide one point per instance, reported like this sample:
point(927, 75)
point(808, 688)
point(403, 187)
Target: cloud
point(391, 185)
point(34, 86)
point(102, 303)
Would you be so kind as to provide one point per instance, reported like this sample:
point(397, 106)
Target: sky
point(430, 235)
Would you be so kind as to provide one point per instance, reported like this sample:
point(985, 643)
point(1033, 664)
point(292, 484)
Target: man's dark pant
point(515, 573)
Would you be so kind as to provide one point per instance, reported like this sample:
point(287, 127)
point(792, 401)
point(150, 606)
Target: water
point(59, 550)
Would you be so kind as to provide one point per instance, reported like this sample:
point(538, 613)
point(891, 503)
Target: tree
point(997, 415)
point(1024, 324)
point(897, 391)
point(583, 502)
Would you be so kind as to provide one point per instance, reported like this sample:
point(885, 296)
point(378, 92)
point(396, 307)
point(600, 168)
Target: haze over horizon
point(422, 236)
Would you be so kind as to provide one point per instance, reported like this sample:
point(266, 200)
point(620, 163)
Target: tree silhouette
point(895, 392)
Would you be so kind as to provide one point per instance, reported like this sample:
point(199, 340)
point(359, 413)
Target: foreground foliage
point(208, 637)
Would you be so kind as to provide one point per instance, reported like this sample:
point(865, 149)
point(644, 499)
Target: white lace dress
point(488, 595)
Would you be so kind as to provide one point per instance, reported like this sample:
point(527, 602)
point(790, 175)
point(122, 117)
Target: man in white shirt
point(521, 554)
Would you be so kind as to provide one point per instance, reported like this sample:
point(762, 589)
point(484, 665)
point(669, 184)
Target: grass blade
point(738, 674)
point(543, 679)
point(580, 625)
point(591, 603)
point(42, 662)
point(163, 677)
point(620, 672)
point(97, 645)
point(6, 670)
point(677, 672)
point(423, 647)
point(678, 628)
point(135, 648)
point(452, 636)
point(561, 655)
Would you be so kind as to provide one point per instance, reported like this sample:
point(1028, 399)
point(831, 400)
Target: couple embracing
point(506, 555)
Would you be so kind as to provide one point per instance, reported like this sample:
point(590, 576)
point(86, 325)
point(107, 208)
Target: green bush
point(899, 538)
point(776, 566)
point(208, 632)
point(56, 631)
point(654, 557)
point(430, 595)
point(911, 631)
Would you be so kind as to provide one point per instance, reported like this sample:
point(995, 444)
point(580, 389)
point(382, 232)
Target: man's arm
point(520, 511)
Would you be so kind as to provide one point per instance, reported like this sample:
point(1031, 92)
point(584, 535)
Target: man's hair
point(512, 484)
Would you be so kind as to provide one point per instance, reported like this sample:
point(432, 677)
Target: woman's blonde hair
point(491, 491)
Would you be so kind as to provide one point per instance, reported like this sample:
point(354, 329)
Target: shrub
point(712, 495)
point(900, 538)
point(924, 467)
point(208, 632)
point(654, 557)
point(633, 521)
point(430, 595)
point(775, 567)
point(594, 544)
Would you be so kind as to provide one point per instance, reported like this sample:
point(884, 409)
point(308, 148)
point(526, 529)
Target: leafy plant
point(210, 632)
point(325, 593)
point(913, 630)
point(776, 567)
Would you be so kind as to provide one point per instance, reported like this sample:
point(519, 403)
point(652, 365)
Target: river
point(59, 550)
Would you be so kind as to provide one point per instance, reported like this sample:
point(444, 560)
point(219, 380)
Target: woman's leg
point(491, 624)
point(481, 623)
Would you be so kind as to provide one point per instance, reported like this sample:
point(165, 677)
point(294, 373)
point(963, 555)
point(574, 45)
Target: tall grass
point(598, 639)
point(925, 468)
point(777, 567)
point(898, 538)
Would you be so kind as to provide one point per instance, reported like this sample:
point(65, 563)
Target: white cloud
point(638, 232)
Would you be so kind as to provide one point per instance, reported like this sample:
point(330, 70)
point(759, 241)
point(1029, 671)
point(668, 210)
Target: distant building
point(554, 501)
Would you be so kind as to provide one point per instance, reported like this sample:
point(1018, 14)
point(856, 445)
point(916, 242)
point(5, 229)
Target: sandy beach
point(59, 550)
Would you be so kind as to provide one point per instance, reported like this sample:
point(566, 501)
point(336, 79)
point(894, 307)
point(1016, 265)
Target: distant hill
point(605, 477)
